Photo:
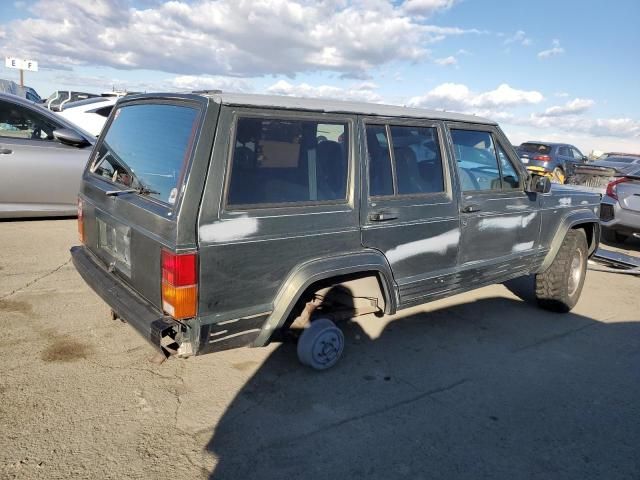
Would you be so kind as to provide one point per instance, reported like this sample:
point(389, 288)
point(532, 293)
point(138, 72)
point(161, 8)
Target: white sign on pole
point(21, 64)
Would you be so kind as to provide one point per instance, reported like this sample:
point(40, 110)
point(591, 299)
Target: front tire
point(559, 287)
point(558, 176)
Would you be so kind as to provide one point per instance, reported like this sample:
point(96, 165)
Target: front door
point(500, 222)
point(409, 211)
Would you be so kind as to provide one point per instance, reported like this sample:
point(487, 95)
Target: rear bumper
point(622, 219)
point(145, 318)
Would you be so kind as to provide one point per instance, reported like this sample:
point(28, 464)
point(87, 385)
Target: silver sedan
point(620, 207)
point(42, 157)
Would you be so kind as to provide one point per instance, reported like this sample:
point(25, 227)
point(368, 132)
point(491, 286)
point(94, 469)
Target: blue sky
point(557, 70)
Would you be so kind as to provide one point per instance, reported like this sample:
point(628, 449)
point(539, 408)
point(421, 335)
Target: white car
point(90, 114)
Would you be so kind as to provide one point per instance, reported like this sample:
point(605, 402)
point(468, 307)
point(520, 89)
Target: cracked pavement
point(480, 385)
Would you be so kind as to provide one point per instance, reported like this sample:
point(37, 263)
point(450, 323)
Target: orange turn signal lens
point(179, 302)
point(80, 221)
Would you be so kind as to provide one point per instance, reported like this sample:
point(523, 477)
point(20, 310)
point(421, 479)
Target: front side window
point(576, 154)
point(146, 147)
point(510, 178)
point(286, 161)
point(17, 121)
point(476, 158)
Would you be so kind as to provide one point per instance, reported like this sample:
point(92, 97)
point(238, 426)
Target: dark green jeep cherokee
point(210, 222)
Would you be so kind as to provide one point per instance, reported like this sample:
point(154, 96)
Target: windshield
point(535, 148)
point(145, 148)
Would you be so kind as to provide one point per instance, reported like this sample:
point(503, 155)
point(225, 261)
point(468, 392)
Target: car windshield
point(146, 147)
point(535, 148)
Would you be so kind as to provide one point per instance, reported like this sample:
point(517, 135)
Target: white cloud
point(364, 92)
point(229, 37)
point(458, 97)
point(599, 127)
point(426, 7)
point(210, 82)
point(447, 61)
point(575, 106)
point(556, 49)
point(520, 37)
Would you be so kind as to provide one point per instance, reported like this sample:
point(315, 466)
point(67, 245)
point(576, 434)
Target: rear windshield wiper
point(141, 190)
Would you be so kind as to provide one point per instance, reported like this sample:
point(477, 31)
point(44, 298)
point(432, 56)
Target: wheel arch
point(302, 278)
point(579, 219)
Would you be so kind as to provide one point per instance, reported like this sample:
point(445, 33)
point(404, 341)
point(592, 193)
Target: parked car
point(555, 160)
point(90, 114)
point(618, 160)
point(620, 209)
point(9, 86)
point(605, 156)
point(211, 222)
point(42, 157)
point(57, 99)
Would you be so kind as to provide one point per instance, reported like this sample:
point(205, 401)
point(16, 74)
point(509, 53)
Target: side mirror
point(538, 184)
point(69, 137)
point(585, 158)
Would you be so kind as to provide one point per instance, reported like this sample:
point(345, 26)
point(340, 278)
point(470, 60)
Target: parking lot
point(480, 385)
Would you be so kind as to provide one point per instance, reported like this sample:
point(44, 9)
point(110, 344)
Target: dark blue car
point(554, 160)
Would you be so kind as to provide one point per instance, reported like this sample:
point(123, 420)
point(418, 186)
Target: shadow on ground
point(488, 389)
point(632, 244)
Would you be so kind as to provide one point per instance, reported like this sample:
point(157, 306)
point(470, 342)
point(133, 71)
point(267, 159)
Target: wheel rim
point(576, 272)
point(327, 347)
point(557, 176)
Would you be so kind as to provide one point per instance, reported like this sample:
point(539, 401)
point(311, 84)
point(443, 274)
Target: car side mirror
point(585, 158)
point(538, 184)
point(69, 137)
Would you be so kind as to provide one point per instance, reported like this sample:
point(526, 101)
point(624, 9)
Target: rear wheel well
point(339, 298)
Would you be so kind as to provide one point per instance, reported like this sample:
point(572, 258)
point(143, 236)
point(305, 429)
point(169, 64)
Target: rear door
point(500, 222)
point(143, 186)
point(39, 172)
point(409, 211)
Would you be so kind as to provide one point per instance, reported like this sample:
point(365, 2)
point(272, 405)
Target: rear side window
point(279, 161)
point(412, 158)
point(146, 146)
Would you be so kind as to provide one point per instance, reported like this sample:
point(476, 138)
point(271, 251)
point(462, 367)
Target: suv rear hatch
point(141, 189)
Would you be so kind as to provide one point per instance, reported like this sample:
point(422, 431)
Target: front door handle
point(470, 208)
point(5, 151)
point(382, 216)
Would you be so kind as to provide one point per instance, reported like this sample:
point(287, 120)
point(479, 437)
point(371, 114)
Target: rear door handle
point(470, 208)
point(382, 216)
point(5, 151)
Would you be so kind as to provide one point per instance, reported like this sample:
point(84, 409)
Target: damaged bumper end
point(161, 331)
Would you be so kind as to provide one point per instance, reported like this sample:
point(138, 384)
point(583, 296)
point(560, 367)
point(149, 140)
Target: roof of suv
point(337, 106)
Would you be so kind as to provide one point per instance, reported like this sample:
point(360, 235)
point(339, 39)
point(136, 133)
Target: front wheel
point(558, 176)
point(558, 288)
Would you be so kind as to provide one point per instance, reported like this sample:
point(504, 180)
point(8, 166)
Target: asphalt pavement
point(480, 385)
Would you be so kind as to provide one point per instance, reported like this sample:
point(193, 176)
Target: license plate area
point(524, 159)
point(114, 241)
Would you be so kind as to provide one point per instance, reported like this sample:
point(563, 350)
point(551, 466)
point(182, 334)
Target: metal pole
point(21, 78)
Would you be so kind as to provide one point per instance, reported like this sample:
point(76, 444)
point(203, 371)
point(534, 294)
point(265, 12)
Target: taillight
point(179, 284)
point(611, 187)
point(80, 221)
point(542, 158)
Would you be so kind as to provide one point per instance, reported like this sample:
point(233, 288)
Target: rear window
point(146, 147)
point(536, 148)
